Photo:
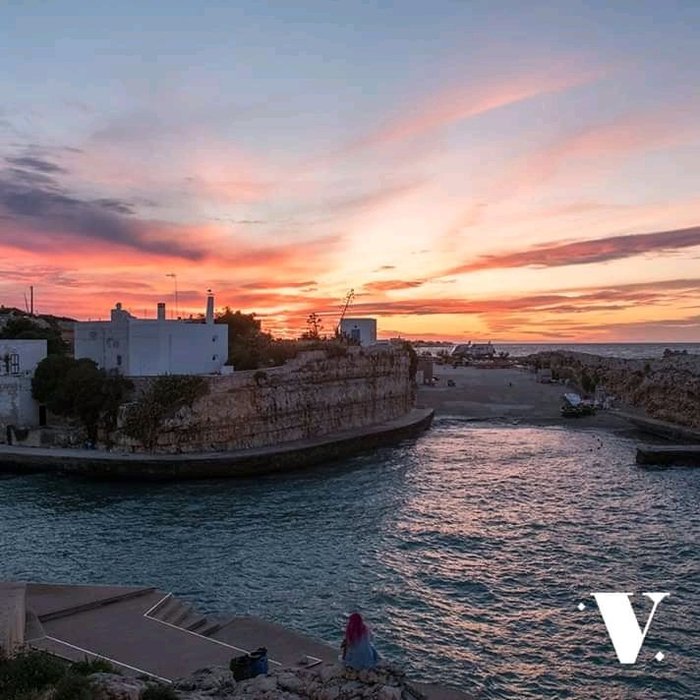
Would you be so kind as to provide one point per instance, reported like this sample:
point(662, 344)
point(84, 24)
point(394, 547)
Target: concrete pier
point(144, 631)
point(12, 615)
point(669, 455)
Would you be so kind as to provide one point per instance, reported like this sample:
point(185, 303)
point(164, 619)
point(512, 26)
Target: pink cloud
point(585, 252)
point(458, 104)
point(594, 148)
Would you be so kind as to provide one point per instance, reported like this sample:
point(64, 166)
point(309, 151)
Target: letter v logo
point(621, 622)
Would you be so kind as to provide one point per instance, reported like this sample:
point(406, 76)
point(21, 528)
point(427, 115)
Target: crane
point(348, 300)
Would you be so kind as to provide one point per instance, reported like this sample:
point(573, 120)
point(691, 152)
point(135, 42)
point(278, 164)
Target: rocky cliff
point(311, 396)
point(667, 388)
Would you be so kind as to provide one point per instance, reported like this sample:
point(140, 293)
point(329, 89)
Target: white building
point(362, 329)
point(139, 347)
point(18, 360)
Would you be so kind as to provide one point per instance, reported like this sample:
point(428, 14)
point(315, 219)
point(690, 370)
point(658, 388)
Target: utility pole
point(174, 276)
point(31, 300)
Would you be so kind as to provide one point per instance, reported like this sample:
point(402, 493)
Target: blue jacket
point(362, 654)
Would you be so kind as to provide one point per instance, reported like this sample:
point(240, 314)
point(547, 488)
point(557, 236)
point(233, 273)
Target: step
point(192, 620)
point(197, 625)
point(210, 628)
point(155, 610)
point(169, 611)
point(186, 612)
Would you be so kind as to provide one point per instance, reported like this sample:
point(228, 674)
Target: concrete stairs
point(177, 613)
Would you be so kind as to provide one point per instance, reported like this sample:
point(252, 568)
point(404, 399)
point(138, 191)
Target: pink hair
point(356, 629)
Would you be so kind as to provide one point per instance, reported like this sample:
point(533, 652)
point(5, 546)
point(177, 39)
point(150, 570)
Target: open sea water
point(627, 351)
point(468, 551)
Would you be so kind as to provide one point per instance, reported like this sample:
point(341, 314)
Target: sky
point(472, 170)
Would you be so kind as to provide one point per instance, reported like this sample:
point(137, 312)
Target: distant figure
point(358, 650)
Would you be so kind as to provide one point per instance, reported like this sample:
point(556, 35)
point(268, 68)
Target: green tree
point(49, 383)
point(24, 328)
point(248, 346)
point(79, 389)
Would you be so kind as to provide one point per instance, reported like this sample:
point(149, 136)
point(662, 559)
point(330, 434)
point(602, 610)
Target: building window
point(213, 358)
point(213, 338)
point(14, 363)
point(93, 335)
point(119, 360)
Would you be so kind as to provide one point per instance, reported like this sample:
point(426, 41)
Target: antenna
point(174, 276)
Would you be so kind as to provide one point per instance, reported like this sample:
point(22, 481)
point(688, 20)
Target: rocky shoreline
point(322, 682)
point(666, 388)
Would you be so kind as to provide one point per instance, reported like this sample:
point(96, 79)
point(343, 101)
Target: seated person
point(357, 647)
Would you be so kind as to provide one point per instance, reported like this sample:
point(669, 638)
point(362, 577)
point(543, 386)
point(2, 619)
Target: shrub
point(28, 671)
point(159, 692)
point(73, 687)
point(79, 389)
point(89, 666)
point(163, 398)
point(335, 349)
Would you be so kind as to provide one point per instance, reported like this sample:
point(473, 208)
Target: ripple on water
point(468, 551)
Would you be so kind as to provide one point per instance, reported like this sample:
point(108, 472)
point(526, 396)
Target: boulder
point(111, 686)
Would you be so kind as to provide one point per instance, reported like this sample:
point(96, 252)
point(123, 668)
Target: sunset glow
point(473, 170)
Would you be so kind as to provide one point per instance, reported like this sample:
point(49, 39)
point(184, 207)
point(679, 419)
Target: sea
point(624, 350)
point(472, 551)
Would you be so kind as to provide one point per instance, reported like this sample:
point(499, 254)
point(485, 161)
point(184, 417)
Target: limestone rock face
point(310, 396)
point(667, 388)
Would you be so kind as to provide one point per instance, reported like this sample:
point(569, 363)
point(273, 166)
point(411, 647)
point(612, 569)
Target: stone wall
point(309, 397)
point(17, 407)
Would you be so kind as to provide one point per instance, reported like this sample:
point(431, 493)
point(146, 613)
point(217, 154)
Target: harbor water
point(468, 551)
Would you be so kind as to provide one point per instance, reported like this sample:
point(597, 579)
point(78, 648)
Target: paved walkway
point(12, 614)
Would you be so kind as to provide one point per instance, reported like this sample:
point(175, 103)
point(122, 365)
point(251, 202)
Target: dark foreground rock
point(324, 682)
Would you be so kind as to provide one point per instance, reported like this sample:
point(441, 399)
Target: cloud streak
point(456, 105)
point(585, 252)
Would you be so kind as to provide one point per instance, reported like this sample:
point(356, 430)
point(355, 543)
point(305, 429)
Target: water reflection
point(468, 551)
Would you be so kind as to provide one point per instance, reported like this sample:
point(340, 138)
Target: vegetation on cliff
point(31, 675)
point(24, 327)
point(161, 399)
point(78, 389)
point(249, 347)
